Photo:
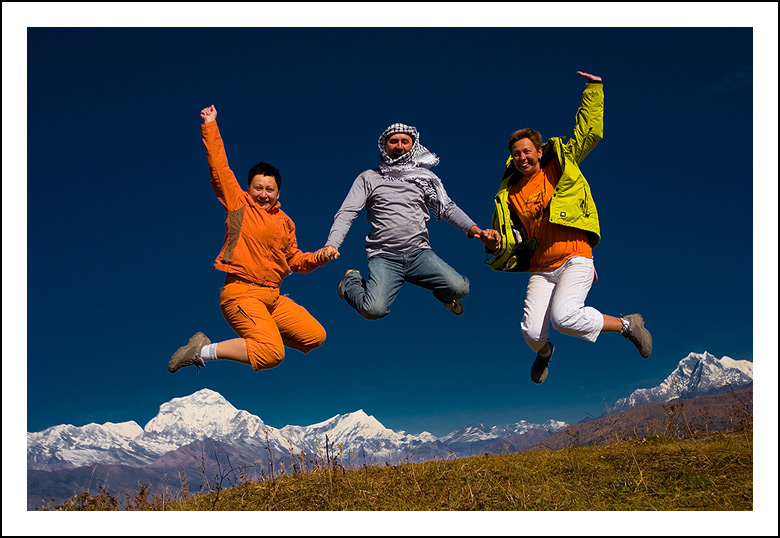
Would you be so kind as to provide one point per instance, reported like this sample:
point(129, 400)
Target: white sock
point(625, 325)
point(209, 352)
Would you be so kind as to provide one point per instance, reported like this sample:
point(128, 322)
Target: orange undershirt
point(530, 200)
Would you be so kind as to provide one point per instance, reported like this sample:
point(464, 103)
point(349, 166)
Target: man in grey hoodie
point(399, 197)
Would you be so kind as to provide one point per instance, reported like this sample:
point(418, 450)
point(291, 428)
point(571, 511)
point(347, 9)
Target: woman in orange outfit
point(259, 250)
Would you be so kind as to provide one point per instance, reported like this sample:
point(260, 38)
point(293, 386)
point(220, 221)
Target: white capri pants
point(559, 297)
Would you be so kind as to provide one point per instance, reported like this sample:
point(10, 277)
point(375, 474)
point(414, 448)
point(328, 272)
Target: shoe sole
point(543, 374)
point(197, 341)
point(457, 309)
point(639, 322)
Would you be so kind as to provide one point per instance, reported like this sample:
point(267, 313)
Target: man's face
point(397, 144)
point(526, 157)
point(264, 190)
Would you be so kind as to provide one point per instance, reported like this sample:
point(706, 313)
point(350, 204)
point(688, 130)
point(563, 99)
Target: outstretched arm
point(352, 205)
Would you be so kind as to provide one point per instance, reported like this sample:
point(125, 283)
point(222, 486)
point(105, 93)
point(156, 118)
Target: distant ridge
point(677, 418)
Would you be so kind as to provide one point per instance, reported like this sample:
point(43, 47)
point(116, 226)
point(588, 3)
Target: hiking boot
point(189, 355)
point(539, 368)
point(636, 332)
point(455, 306)
point(338, 286)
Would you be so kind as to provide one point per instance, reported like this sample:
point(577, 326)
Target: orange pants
point(267, 322)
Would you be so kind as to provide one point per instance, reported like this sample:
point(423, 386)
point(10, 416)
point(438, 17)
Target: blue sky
point(121, 227)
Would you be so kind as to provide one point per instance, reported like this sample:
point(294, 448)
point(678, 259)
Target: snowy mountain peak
point(340, 429)
point(479, 432)
point(203, 410)
point(701, 373)
point(129, 429)
point(66, 446)
point(553, 426)
point(201, 398)
point(698, 374)
point(201, 415)
point(360, 420)
point(744, 366)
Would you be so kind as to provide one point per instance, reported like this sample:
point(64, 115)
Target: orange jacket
point(530, 200)
point(259, 245)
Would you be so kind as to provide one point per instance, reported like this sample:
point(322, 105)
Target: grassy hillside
point(712, 471)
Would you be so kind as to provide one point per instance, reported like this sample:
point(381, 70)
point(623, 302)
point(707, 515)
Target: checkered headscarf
point(414, 166)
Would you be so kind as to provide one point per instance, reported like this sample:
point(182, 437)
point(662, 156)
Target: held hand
point(491, 238)
point(208, 114)
point(591, 78)
point(326, 254)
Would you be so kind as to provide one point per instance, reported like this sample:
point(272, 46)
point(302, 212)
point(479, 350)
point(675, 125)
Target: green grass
point(708, 472)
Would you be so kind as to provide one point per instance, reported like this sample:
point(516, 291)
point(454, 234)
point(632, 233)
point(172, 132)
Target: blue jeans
point(387, 272)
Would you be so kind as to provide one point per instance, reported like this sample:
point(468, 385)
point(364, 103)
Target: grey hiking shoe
point(539, 368)
point(189, 355)
point(455, 306)
point(338, 286)
point(639, 336)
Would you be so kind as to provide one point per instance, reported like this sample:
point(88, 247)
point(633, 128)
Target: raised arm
point(589, 129)
point(223, 181)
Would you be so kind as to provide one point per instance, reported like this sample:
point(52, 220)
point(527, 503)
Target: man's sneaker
point(189, 355)
point(636, 332)
point(338, 286)
point(455, 306)
point(539, 368)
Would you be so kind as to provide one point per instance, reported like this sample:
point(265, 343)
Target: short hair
point(265, 169)
point(534, 136)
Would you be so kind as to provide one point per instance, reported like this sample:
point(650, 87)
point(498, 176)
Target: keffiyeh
point(414, 166)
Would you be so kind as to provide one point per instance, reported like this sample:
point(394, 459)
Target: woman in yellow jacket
point(259, 250)
point(548, 225)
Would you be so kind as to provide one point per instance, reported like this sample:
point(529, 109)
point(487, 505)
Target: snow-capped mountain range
point(208, 415)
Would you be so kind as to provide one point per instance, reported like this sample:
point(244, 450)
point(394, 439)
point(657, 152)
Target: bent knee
point(374, 311)
point(534, 340)
point(265, 356)
point(316, 340)
point(457, 288)
point(461, 289)
point(535, 337)
point(563, 322)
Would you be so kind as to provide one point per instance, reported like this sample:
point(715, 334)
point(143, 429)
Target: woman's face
point(526, 157)
point(264, 190)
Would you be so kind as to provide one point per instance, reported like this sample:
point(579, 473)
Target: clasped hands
point(491, 238)
point(326, 253)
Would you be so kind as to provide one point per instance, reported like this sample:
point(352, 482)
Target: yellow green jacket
point(572, 203)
